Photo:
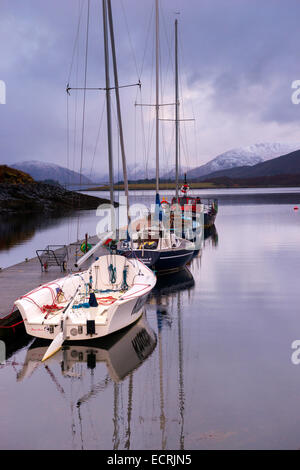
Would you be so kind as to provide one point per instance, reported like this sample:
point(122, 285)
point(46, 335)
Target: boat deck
point(23, 277)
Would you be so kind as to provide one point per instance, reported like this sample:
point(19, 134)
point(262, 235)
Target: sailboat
point(186, 203)
point(109, 295)
point(154, 243)
point(189, 203)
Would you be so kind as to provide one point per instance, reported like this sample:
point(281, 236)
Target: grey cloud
point(238, 46)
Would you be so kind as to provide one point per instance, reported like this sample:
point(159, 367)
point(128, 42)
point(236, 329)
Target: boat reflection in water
point(167, 299)
point(122, 353)
point(211, 235)
point(172, 283)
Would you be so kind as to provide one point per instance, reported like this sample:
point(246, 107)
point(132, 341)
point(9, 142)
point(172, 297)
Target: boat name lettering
point(140, 342)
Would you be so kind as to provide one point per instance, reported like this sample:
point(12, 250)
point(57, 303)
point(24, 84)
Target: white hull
point(117, 307)
point(117, 321)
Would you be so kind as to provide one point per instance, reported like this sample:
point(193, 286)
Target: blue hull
point(160, 261)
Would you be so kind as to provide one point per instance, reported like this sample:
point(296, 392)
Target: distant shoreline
point(170, 186)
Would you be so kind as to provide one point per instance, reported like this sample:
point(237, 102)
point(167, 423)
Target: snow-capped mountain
point(171, 174)
point(135, 172)
point(244, 156)
point(50, 171)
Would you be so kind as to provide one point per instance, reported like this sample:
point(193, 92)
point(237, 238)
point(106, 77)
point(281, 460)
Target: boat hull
point(168, 261)
point(163, 261)
point(79, 306)
point(147, 257)
point(119, 320)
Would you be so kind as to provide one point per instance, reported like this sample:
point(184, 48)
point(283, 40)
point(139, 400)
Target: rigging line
point(193, 111)
point(184, 148)
point(185, 75)
point(169, 47)
point(147, 39)
point(135, 133)
point(164, 83)
point(68, 139)
point(97, 139)
point(144, 142)
point(164, 153)
point(75, 112)
point(143, 135)
point(84, 104)
point(130, 41)
point(80, 8)
point(151, 121)
point(184, 127)
point(76, 48)
point(84, 92)
point(185, 137)
point(171, 147)
point(117, 180)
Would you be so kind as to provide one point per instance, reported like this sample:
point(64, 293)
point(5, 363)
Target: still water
point(208, 367)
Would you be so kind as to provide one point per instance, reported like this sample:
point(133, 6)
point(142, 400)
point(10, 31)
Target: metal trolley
point(53, 255)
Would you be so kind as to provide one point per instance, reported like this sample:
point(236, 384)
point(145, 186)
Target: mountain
point(171, 174)
point(135, 172)
point(41, 171)
point(244, 156)
point(285, 165)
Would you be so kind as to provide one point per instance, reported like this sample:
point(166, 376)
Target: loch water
point(213, 363)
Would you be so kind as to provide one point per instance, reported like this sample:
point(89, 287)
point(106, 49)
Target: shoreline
point(33, 198)
point(170, 186)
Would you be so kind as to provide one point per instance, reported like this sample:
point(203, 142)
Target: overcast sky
point(238, 59)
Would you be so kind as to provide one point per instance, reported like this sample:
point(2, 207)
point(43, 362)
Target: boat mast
point(108, 105)
point(157, 95)
point(176, 111)
point(113, 48)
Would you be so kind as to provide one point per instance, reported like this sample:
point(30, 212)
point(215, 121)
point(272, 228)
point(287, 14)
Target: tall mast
point(176, 110)
point(113, 48)
point(157, 95)
point(108, 105)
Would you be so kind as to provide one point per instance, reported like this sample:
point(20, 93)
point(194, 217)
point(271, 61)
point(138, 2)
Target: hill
point(243, 156)
point(285, 165)
point(19, 193)
point(13, 176)
point(41, 171)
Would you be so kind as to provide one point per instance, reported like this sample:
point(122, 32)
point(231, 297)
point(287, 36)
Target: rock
point(34, 197)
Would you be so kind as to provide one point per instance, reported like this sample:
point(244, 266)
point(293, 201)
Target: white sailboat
point(105, 298)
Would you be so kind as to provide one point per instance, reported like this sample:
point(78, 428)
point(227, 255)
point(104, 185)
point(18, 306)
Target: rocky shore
point(44, 198)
